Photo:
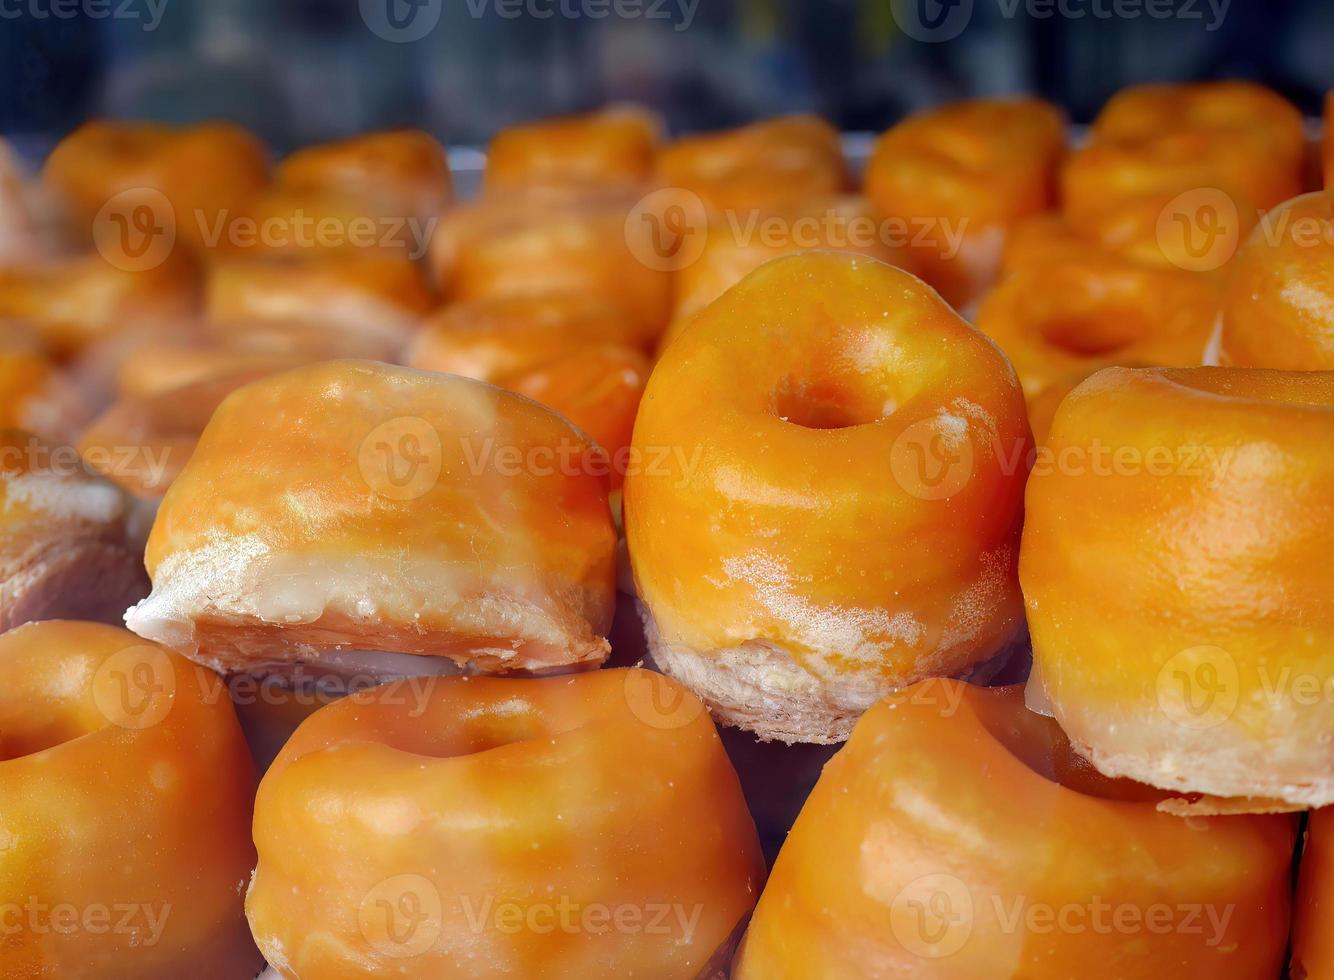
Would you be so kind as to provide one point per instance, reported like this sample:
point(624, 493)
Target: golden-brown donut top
point(142, 442)
point(591, 152)
point(76, 300)
point(393, 508)
point(405, 169)
point(1278, 307)
point(347, 289)
point(494, 338)
point(758, 164)
point(992, 160)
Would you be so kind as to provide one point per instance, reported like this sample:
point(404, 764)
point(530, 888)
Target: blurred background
point(298, 71)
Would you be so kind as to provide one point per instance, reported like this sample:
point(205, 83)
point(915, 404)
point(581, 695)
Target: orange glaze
point(1278, 307)
point(125, 794)
point(962, 176)
point(596, 388)
point(421, 514)
point(1152, 143)
point(484, 827)
point(402, 172)
point(74, 301)
point(531, 246)
point(353, 290)
point(958, 836)
point(759, 165)
point(198, 352)
point(142, 442)
point(1186, 654)
point(34, 395)
point(824, 402)
point(1312, 932)
point(596, 152)
point(1066, 307)
point(504, 336)
point(738, 242)
point(202, 171)
point(319, 222)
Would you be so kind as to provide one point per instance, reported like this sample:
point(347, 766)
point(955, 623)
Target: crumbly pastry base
point(1224, 782)
point(757, 686)
point(1214, 783)
point(235, 607)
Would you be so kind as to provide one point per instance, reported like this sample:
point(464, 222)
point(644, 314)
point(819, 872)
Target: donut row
point(391, 490)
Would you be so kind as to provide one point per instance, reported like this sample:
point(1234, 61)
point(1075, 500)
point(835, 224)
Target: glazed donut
point(402, 173)
point(197, 353)
point(35, 396)
point(203, 171)
point(123, 779)
point(958, 836)
point(611, 150)
point(1275, 308)
point(141, 443)
point(78, 300)
point(361, 291)
point(517, 831)
point(969, 169)
point(420, 514)
point(1312, 937)
point(526, 246)
point(791, 423)
point(1065, 317)
point(321, 222)
point(736, 244)
point(596, 388)
point(1152, 143)
point(758, 166)
point(67, 547)
point(488, 339)
point(1174, 566)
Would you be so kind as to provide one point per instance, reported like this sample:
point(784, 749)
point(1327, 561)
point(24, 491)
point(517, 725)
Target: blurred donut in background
point(961, 177)
point(194, 176)
point(609, 151)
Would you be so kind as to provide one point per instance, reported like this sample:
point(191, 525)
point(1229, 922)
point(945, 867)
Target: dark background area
point(297, 71)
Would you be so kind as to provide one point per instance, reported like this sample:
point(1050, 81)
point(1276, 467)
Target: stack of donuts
point(394, 585)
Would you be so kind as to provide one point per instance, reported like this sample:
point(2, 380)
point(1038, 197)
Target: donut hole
point(1039, 743)
point(830, 402)
point(1096, 332)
